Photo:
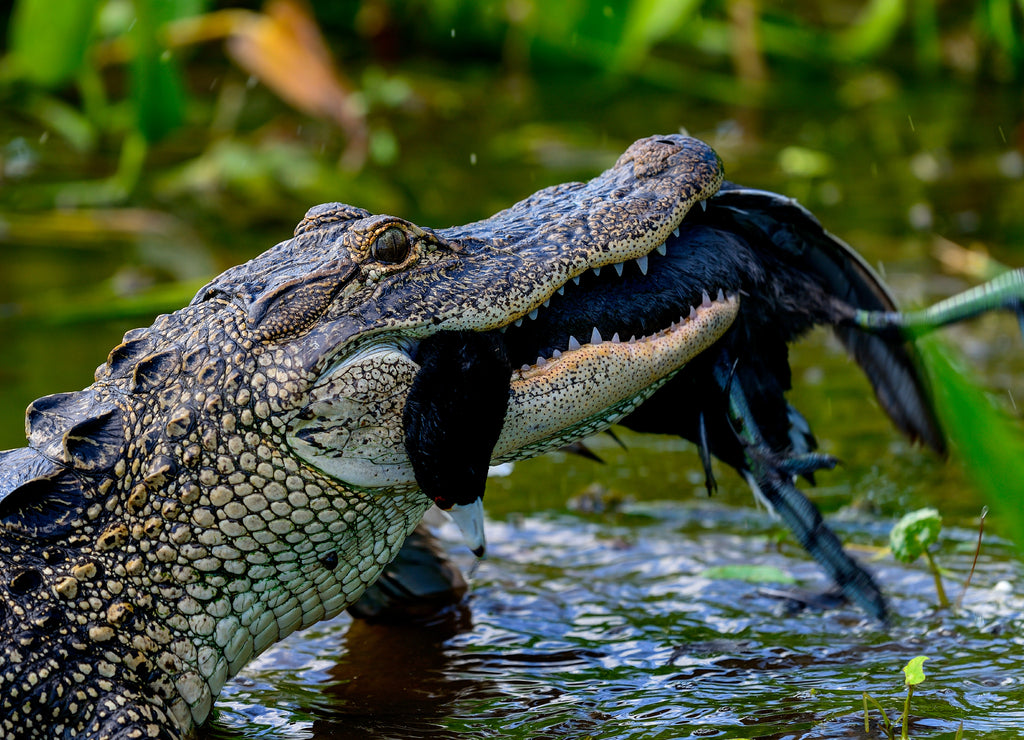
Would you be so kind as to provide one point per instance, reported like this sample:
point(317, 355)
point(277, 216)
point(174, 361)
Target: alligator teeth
point(573, 343)
point(704, 204)
point(705, 300)
point(693, 312)
point(532, 314)
point(561, 290)
point(556, 354)
point(541, 362)
point(675, 231)
point(576, 279)
point(618, 268)
point(721, 296)
point(642, 263)
point(661, 248)
point(595, 337)
point(597, 271)
point(615, 338)
point(547, 302)
point(518, 322)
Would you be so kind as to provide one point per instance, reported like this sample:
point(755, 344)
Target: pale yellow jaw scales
point(588, 389)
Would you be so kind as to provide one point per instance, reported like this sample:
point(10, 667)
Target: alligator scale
point(250, 464)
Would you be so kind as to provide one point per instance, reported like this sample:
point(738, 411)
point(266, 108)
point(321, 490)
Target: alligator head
point(240, 469)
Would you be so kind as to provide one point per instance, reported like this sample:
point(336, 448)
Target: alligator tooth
point(615, 338)
point(704, 204)
point(661, 248)
point(518, 322)
point(642, 262)
point(556, 354)
point(693, 312)
point(573, 343)
point(524, 368)
point(576, 279)
point(561, 290)
point(541, 362)
point(547, 302)
point(503, 329)
point(721, 296)
point(595, 337)
point(597, 271)
point(618, 268)
point(705, 300)
point(675, 231)
point(532, 314)
point(632, 339)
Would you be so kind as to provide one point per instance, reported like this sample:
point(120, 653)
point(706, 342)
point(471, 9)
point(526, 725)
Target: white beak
point(470, 519)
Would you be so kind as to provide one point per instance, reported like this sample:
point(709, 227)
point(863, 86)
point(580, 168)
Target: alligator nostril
point(25, 581)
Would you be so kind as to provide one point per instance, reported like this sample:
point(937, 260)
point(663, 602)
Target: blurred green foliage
point(984, 436)
point(723, 49)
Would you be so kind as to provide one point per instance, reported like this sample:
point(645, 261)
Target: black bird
point(730, 401)
point(452, 419)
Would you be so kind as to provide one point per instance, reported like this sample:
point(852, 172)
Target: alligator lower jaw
point(589, 387)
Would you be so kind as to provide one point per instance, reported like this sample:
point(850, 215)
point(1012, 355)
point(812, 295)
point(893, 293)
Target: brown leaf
point(284, 49)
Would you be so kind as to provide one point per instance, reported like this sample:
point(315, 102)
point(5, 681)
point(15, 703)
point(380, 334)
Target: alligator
point(250, 464)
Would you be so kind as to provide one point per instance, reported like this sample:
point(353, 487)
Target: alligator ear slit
point(296, 304)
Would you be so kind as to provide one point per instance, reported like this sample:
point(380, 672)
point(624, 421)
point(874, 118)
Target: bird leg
point(705, 454)
point(771, 477)
point(1003, 292)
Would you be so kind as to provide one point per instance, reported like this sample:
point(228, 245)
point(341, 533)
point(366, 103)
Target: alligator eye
point(391, 246)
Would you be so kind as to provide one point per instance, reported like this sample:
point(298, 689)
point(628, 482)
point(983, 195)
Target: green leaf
point(157, 90)
point(982, 436)
point(914, 670)
point(873, 31)
point(48, 39)
point(749, 573)
point(647, 22)
point(915, 533)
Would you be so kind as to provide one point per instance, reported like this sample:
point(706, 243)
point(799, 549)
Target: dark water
point(607, 625)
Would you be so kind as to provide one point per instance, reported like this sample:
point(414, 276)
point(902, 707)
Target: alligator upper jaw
point(614, 302)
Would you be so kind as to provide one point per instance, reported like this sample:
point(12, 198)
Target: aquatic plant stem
point(906, 705)
point(939, 590)
point(886, 724)
point(974, 563)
